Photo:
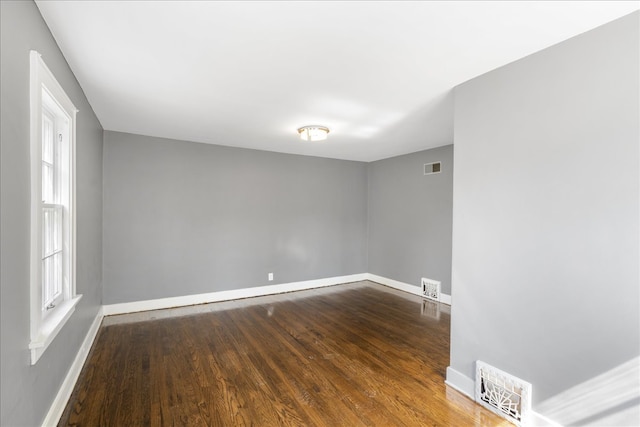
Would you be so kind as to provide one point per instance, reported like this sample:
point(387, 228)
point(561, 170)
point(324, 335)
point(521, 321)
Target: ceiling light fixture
point(313, 133)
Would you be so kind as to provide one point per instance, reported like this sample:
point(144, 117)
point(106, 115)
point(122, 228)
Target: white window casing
point(53, 217)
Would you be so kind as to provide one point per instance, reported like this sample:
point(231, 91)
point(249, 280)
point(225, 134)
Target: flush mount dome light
point(313, 133)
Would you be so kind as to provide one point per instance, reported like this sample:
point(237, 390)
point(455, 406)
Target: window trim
point(43, 329)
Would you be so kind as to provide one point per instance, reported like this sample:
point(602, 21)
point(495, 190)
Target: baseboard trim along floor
point(162, 303)
point(60, 401)
point(412, 289)
point(258, 291)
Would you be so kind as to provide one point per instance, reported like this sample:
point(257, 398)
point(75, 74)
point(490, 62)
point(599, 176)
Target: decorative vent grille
point(503, 394)
point(431, 168)
point(431, 289)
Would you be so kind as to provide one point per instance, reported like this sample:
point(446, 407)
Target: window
point(53, 297)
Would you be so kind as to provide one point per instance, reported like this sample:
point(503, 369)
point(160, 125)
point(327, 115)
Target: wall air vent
point(431, 168)
point(431, 289)
point(503, 394)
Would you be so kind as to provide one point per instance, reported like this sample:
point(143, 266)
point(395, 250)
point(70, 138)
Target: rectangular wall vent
point(430, 289)
point(502, 393)
point(431, 168)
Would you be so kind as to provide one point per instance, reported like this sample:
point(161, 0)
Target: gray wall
point(546, 211)
point(410, 218)
point(28, 391)
point(184, 218)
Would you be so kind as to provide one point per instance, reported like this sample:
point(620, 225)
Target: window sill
point(51, 326)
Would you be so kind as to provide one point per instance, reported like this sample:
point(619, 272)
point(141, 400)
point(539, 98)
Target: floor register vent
point(502, 393)
point(430, 289)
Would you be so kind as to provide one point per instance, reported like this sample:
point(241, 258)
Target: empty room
point(320, 213)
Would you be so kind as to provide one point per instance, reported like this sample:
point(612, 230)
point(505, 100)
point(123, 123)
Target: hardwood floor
point(348, 355)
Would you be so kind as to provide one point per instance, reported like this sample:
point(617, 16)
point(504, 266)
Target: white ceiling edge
point(242, 74)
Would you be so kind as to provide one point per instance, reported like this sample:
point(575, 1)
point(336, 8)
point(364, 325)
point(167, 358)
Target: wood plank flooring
point(348, 355)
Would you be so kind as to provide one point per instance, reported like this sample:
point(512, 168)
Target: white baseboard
point(539, 420)
point(161, 303)
point(444, 298)
point(60, 401)
point(460, 382)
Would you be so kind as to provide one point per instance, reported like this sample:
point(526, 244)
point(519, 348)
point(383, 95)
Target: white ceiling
point(248, 74)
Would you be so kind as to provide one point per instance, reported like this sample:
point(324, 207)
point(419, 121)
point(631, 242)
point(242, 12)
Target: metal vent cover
point(430, 289)
point(502, 393)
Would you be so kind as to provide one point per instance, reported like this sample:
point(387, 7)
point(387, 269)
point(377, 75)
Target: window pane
point(46, 232)
point(52, 255)
point(47, 138)
point(57, 279)
point(51, 278)
point(46, 280)
point(47, 183)
point(57, 235)
point(51, 230)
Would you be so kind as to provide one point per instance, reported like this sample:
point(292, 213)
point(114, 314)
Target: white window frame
point(47, 323)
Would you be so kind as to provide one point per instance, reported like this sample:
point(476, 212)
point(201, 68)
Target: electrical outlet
point(270, 276)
